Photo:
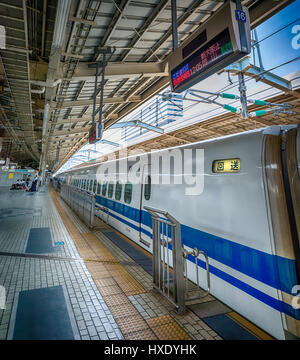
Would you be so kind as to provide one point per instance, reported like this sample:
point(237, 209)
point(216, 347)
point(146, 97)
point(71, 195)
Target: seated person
point(15, 186)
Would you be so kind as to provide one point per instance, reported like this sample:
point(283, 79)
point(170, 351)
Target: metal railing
point(81, 202)
point(169, 262)
point(195, 253)
point(100, 210)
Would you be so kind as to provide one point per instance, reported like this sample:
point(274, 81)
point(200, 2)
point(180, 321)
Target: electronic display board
point(93, 134)
point(223, 39)
point(206, 56)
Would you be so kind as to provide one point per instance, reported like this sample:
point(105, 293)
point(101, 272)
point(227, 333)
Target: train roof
point(275, 130)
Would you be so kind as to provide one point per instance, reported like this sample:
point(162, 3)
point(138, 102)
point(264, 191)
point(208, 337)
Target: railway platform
point(62, 280)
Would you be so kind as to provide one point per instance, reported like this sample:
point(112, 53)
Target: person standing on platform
point(34, 183)
point(28, 183)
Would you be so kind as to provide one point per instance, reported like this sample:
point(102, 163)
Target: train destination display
point(222, 40)
point(207, 56)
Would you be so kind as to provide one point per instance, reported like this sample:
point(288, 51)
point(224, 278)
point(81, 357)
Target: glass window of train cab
point(104, 187)
point(110, 190)
point(95, 186)
point(147, 188)
point(128, 193)
point(99, 188)
point(118, 192)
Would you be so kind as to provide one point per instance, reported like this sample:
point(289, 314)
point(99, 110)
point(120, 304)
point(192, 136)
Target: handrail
point(104, 209)
point(166, 235)
point(80, 201)
point(195, 252)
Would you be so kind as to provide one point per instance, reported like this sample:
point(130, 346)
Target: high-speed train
point(243, 212)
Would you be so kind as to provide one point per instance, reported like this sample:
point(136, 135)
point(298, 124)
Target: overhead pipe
point(41, 91)
point(49, 84)
point(62, 16)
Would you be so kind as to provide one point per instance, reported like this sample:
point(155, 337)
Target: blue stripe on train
point(274, 271)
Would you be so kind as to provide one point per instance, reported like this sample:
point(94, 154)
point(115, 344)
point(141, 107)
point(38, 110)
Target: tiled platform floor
point(131, 303)
point(103, 283)
point(93, 318)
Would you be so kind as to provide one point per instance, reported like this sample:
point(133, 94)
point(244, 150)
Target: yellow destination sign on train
point(227, 166)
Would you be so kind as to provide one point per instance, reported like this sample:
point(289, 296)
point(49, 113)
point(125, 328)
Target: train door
point(283, 194)
point(291, 162)
point(145, 225)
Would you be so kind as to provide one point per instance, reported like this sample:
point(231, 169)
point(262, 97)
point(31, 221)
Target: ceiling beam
point(83, 72)
point(114, 23)
point(69, 132)
point(115, 70)
point(189, 12)
point(88, 102)
point(151, 19)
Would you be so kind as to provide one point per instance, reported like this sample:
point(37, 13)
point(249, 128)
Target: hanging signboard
point(222, 40)
point(95, 133)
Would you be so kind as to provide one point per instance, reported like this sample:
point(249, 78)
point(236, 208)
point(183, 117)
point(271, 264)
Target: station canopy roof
point(48, 87)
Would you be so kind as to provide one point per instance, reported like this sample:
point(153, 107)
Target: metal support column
point(100, 126)
point(103, 64)
point(242, 86)
point(174, 24)
point(242, 90)
point(95, 94)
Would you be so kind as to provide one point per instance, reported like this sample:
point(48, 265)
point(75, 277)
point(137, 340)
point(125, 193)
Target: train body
point(245, 217)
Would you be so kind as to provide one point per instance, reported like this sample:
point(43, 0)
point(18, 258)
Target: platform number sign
point(240, 15)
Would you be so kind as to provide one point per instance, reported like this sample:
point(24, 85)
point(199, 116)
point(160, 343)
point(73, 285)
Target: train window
point(147, 188)
point(95, 186)
point(104, 187)
point(128, 193)
point(118, 192)
point(91, 185)
point(110, 190)
point(98, 188)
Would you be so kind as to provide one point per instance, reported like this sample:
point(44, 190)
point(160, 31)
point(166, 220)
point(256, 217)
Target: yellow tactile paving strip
point(254, 330)
point(165, 328)
point(115, 284)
